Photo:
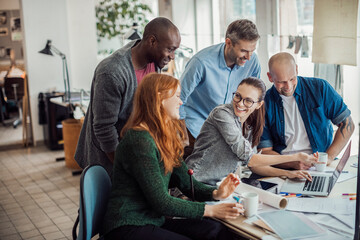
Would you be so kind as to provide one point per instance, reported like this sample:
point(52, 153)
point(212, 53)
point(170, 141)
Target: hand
point(227, 187)
point(299, 174)
point(299, 166)
point(224, 210)
point(306, 160)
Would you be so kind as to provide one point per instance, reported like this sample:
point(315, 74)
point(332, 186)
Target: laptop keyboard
point(317, 184)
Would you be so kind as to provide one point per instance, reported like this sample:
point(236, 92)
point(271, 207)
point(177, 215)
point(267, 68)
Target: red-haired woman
point(147, 160)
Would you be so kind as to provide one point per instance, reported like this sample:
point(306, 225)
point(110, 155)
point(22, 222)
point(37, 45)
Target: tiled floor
point(38, 196)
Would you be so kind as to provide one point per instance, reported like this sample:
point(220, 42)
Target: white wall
point(82, 42)
point(71, 27)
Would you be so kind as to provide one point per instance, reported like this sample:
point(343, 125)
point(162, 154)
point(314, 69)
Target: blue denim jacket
point(319, 105)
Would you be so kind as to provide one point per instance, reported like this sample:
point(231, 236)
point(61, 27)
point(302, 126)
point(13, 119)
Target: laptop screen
point(340, 166)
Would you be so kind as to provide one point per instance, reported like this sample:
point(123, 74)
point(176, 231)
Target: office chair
point(95, 186)
point(14, 90)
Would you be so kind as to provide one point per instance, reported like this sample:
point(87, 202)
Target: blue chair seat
point(95, 186)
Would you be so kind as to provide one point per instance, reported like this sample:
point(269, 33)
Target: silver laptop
point(321, 184)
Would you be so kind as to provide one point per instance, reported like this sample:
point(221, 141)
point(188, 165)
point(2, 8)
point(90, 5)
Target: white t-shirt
point(296, 138)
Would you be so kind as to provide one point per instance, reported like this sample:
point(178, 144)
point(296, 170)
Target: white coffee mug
point(323, 158)
point(251, 203)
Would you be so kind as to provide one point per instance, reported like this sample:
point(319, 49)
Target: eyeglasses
point(248, 103)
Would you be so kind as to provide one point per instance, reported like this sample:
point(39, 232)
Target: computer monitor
point(357, 218)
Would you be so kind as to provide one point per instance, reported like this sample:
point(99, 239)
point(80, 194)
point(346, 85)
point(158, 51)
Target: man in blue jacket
point(300, 112)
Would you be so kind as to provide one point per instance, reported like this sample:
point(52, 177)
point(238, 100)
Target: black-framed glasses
point(248, 103)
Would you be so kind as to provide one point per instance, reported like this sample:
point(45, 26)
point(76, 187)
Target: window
point(230, 10)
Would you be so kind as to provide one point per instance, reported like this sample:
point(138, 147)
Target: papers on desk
point(321, 205)
point(335, 227)
point(291, 225)
point(348, 220)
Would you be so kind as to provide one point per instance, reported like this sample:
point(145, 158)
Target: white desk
point(252, 232)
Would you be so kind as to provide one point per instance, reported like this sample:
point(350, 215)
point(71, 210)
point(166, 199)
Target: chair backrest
point(95, 186)
point(9, 88)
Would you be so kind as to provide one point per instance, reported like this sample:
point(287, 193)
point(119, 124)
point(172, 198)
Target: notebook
point(321, 184)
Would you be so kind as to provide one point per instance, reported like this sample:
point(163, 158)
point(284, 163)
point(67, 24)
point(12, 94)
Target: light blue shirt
point(208, 82)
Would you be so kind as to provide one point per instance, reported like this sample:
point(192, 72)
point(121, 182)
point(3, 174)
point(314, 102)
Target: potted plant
point(115, 17)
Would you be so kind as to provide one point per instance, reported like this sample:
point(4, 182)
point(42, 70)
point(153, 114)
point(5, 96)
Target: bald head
point(161, 39)
point(283, 73)
point(159, 27)
point(282, 58)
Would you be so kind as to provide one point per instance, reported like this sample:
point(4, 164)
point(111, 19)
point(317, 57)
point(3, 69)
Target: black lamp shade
point(134, 36)
point(47, 49)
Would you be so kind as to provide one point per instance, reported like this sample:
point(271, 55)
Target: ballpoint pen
point(349, 194)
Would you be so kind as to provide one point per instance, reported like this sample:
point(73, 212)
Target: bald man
point(300, 112)
point(114, 83)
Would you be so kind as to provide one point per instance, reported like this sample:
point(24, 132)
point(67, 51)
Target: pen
point(333, 171)
point(349, 194)
point(352, 198)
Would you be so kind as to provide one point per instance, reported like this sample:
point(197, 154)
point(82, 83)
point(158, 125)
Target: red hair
point(148, 114)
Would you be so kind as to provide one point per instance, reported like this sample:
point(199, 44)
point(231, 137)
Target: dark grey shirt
point(220, 147)
point(112, 90)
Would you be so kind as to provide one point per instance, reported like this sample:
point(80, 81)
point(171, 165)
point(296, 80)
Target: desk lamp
point(49, 48)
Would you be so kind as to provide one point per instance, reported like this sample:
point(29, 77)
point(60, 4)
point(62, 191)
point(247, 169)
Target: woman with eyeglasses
point(147, 160)
point(229, 136)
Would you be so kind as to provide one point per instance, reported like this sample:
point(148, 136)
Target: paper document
point(346, 176)
point(321, 205)
point(349, 220)
point(291, 225)
point(332, 224)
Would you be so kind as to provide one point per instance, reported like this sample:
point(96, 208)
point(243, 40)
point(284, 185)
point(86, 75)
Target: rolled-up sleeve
point(335, 108)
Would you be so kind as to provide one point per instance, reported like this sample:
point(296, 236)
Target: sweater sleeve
point(105, 106)
point(232, 134)
point(145, 164)
point(181, 179)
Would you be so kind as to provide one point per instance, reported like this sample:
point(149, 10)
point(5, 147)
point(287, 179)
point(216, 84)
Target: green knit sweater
point(140, 195)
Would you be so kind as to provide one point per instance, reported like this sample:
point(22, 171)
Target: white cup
point(251, 203)
point(323, 158)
